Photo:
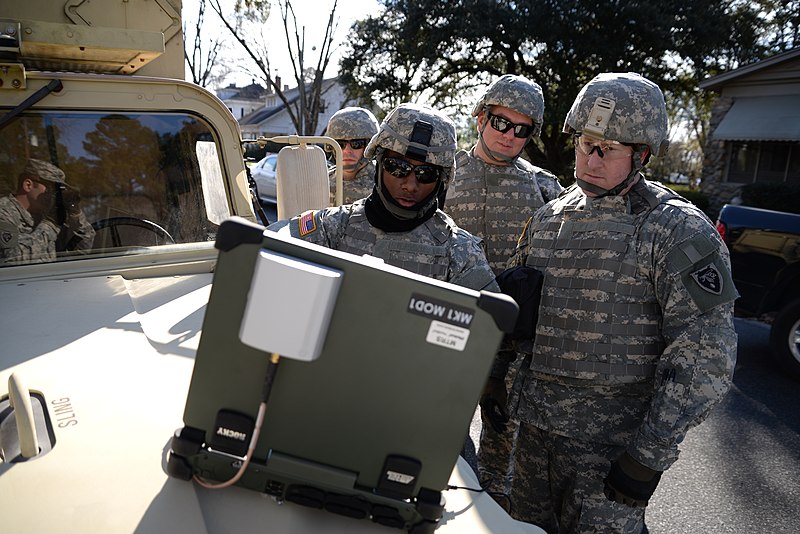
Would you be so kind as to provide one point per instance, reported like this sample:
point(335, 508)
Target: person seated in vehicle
point(352, 128)
point(42, 217)
point(400, 221)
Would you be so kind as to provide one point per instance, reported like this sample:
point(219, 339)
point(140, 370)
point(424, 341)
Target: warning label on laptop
point(447, 335)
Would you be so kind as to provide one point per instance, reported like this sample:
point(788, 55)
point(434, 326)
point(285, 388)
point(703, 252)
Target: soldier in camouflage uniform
point(41, 217)
point(635, 342)
point(494, 189)
point(352, 128)
point(492, 195)
point(399, 221)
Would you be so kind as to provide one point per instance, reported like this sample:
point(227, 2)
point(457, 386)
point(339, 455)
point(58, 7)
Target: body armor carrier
point(599, 317)
point(493, 202)
point(423, 251)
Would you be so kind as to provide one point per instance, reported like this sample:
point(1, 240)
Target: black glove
point(493, 404)
point(630, 483)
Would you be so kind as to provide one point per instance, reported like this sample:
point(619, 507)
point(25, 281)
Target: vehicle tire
point(784, 338)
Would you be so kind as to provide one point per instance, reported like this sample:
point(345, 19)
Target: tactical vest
point(599, 318)
point(493, 202)
point(423, 251)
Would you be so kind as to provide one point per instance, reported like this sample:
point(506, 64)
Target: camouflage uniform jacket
point(22, 240)
point(494, 201)
point(359, 187)
point(635, 341)
point(436, 248)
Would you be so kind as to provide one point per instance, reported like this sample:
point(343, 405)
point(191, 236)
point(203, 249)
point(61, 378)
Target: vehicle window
point(270, 162)
point(129, 180)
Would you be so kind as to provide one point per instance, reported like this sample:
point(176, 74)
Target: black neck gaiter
point(380, 217)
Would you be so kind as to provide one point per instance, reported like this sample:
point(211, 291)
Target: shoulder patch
point(9, 234)
point(307, 223)
point(709, 279)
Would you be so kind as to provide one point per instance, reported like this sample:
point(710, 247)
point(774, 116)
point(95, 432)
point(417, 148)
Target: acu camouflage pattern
point(395, 133)
point(355, 189)
point(352, 123)
point(437, 248)
point(517, 93)
point(631, 349)
point(547, 463)
point(22, 240)
point(639, 115)
point(494, 201)
point(42, 170)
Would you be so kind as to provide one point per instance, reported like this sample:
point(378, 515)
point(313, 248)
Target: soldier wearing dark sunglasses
point(352, 128)
point(493, 193)
point(400, 220)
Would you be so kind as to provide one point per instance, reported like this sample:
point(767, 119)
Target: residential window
point(763, 161)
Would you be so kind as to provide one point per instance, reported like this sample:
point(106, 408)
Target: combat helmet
point(517, 93)
point(352, 123)
point(623, 107)
point(423, 134)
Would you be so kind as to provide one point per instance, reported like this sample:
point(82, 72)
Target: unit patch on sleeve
point(709, 279)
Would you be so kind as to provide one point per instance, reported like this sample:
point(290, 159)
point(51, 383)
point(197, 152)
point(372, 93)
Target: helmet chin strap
point(636, 166)
point(499, 158)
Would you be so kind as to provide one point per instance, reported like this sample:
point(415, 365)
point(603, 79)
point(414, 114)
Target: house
point(243, 100)
point(755, 127)
point(270, 117)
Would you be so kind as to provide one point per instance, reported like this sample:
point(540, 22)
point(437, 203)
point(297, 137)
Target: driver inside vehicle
point(42, 217)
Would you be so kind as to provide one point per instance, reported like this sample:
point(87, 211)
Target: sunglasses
point(503, 125)
point(355, 144)
point(610, 150)
point(400, 168)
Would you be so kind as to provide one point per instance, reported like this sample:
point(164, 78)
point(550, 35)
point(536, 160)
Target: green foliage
point(444, 50)
point(772, 196)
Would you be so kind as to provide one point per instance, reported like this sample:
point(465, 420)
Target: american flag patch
point(307, 223)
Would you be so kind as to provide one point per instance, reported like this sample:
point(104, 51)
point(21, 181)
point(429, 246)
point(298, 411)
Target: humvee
point(99, 340)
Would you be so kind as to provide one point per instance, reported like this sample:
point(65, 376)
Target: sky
point(313, 14)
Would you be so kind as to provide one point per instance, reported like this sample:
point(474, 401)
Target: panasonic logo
point(232, 434)
point(400, 478)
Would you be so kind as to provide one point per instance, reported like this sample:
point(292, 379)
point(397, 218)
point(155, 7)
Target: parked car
point(263, 173)
point(765, 260)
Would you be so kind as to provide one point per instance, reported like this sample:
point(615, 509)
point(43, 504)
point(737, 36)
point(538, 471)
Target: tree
point(304, 111)
point(418, 47)
point(203, 62)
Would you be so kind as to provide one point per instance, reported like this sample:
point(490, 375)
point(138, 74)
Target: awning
point(761, 118)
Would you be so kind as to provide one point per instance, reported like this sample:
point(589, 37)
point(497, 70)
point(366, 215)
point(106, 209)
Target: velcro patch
point(307, 223)
point(709, 278)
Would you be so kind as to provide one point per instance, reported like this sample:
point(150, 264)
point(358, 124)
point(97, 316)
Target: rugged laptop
point(379, 376)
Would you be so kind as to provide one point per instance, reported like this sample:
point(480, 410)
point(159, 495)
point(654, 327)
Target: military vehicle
point(100, 339)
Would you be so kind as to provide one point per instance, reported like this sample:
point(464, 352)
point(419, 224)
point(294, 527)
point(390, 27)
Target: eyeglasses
point(400, 168)
point(503, 125)
point(355, 144)
point(610, 150)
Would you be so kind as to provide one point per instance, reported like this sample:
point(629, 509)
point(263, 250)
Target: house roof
point(716, 82)
point(292, 95)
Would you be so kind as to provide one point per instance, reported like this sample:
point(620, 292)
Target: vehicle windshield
point(76, 184)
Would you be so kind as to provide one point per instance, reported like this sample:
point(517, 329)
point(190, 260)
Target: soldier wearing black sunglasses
point(400, 220)
point(493, 193)
point(352, 128)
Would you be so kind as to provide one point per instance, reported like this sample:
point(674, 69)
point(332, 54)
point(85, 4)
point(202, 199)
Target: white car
point(263, 173)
